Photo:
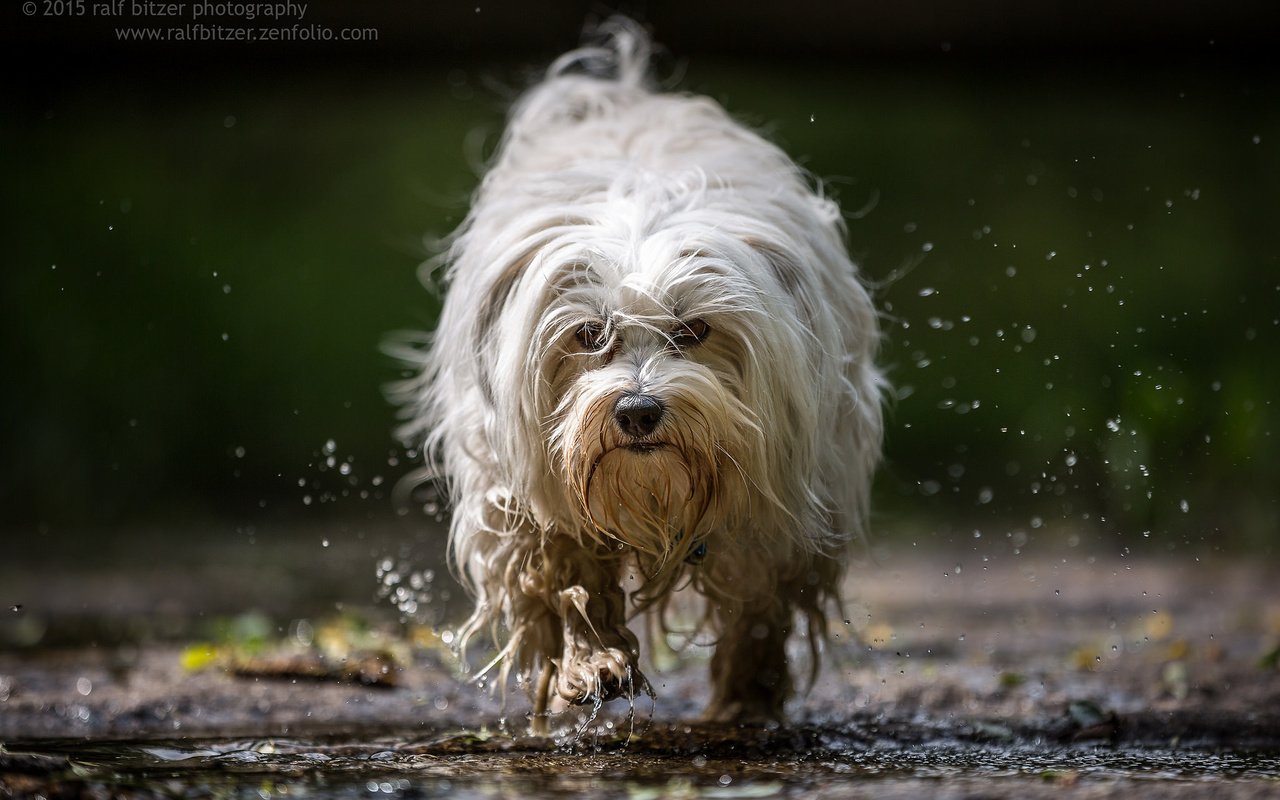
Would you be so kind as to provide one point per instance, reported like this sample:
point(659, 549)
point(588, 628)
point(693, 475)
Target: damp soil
point(1062, 676)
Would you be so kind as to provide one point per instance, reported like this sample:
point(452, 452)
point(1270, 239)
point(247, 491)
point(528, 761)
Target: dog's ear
point(499, 292)
point(783, 266)
point(496, 298)
point(492, 303)
point(786, 271)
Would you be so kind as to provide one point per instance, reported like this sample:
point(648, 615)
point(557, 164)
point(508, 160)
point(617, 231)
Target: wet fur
point(612, 204)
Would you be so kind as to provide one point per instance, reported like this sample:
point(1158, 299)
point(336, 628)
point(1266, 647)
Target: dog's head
point(653, 368)
point(651, 424)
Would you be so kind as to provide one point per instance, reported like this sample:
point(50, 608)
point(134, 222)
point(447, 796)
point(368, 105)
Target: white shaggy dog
point(654, 367)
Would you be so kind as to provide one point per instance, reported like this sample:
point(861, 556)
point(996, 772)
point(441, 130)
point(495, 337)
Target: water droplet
point(84, 686)
point(303, 632)
point(1185, 506)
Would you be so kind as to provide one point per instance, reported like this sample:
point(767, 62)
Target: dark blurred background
point(1068, 209)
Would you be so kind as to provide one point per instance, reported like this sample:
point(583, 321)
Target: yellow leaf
point(1158, 626)
point(878, 636)
point(1086, 658)
point(199, 656)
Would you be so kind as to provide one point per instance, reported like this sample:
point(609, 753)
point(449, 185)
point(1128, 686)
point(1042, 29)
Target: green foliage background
point(1078, 266)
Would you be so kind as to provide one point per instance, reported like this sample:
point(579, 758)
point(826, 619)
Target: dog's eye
point(591, 335)
point(687, 334)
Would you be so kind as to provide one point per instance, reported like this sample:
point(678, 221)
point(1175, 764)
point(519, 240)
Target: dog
point(654, 370)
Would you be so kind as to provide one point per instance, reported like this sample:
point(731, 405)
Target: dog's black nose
point(637, 414)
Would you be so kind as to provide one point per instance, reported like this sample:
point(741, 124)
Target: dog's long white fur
point(613, 205)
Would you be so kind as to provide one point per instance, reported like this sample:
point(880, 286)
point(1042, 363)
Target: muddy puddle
point(667, 760)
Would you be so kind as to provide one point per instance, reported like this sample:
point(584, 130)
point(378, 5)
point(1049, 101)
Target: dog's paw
point(756, 711)
point(597, 677)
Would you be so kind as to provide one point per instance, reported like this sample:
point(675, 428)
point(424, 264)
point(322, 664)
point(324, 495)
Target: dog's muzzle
point(638, 415)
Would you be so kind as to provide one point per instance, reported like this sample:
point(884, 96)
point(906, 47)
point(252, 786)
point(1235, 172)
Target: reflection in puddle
point(666, 761)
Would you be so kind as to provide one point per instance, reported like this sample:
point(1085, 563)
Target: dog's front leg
point(599, 654)
point(749, 675)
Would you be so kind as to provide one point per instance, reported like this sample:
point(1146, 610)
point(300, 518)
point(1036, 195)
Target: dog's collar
point(699, 552)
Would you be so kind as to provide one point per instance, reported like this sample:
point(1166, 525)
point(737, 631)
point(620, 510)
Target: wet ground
point(1004, 675)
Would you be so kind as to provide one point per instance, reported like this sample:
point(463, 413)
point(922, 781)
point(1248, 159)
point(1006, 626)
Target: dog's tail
point(618, 50)
point(614, 64)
